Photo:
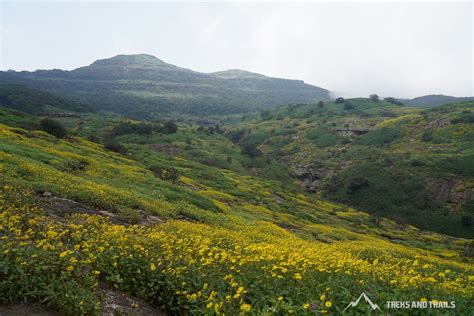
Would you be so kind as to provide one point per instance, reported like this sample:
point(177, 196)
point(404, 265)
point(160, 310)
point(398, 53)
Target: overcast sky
point(393, 49)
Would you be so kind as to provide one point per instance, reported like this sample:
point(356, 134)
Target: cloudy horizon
point(392, 49)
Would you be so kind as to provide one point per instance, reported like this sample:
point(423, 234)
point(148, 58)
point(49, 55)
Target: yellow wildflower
point(245, 307)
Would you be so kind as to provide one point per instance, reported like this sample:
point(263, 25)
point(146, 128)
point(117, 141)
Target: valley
point(111, 179)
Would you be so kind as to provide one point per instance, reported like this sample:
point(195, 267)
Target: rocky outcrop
point(312, 179)
point(453, 192)
point(166, 149)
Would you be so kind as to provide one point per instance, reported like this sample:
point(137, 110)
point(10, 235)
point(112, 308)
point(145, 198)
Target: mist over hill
point(141, 86)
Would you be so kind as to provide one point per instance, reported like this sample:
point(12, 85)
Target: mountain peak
point(237, 74)
point(135, 59)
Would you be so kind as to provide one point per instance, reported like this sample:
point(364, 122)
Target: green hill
point(434, 100)
point(143, 86)
point(414, 166)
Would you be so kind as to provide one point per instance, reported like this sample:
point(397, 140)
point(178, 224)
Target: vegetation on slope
point(224, 236)
point(410, 165)
point(33, 101)
point(225, 268)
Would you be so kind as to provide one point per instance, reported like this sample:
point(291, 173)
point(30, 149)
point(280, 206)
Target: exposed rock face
point(350, 133)
point(59, 208)
point(166, 149)
point(115, 302)
point(438, 123)
point(453, 192)
point(312, 180)
point(255, 171)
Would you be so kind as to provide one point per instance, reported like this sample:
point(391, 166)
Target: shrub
point(125, 128)
point(417, 163)
point(236, 136)
point(388, 113)
point(465, 118)
point(321, 137)
point(340, 100)
point(427, 137)
point(113, 145)
point(466, 220)
point(129, 216)
point(320, 104)
point(166, 173)
point(53, 127)
point(381, 136)
point(93, 139)
point(393, 101)
point(251, 150)
point(468, 251)
point(356, 184)
point(348, 106)
point(265, 115)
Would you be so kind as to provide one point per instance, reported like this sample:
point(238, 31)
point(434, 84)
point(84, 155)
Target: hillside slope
point(34, 101)
point(143, 86)
point(410, 165)
point(217, 240)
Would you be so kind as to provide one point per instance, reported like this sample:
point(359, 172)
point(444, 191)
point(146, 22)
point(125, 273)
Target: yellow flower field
point(187, 267)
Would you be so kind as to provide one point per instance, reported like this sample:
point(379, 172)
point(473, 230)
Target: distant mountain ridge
point(145, 86)
point(434, 100)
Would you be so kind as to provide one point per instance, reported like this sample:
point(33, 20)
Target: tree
point(320, 104)
point(169, 127)
point(340, 100)
point(236, 136)
point(374, 97)
point(393, 101)
point(53, 127)
point(348, 106)
point(265, 115)
point(251, 150)
point(166, 173)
